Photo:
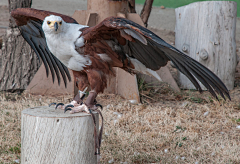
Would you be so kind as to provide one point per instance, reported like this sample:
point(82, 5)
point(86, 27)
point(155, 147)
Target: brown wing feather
point(23, 15)
point(116, 27)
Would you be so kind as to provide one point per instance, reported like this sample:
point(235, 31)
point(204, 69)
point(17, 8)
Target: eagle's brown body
point(98, 72)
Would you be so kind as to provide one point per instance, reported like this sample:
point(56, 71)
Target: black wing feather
point(32, 32)
point(148, 55)
point(54, 65)
point(61, 69)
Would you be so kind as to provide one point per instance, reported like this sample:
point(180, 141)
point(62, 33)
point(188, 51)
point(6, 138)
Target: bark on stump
point(206, 32)
point(52, 136)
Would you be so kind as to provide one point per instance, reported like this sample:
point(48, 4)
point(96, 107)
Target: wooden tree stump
point(206, 32)
point(52, 136)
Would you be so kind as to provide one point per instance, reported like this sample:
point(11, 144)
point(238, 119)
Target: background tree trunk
point(18, 62)
point(13, 4)
point(131, 6)
point(146, 11)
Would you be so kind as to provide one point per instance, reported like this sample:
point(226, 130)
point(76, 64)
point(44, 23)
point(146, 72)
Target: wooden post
point(52, 136)
point(43, 85)
point(107, 8)
point(206, 32)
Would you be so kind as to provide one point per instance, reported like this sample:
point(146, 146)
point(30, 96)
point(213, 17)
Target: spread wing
point(30, 22)
point(154, 52)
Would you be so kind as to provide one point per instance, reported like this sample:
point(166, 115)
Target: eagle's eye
point(48, 22)
point(60, 23)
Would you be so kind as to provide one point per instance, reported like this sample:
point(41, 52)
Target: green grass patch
point(197, 100)
point(16, 149)
point(179, 3)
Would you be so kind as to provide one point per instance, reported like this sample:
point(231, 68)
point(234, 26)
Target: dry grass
point(11, 106)
point(164, 131)
point(171, 127)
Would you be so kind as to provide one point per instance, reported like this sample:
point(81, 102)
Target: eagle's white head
point(53, 24)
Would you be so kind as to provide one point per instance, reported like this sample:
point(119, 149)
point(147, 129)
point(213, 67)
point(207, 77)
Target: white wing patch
point(105, 57)
point(79, 42)
point(77, 62)
point(143, 69)
point(136, 35)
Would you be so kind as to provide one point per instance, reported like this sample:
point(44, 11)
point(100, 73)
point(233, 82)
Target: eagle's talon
point(52, 104)
point(70, 105)
point(99, 105)
point(66, 109)
point(58, 105)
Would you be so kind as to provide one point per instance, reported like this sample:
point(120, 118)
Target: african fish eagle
point(92, 52)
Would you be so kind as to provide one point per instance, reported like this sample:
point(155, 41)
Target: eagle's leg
point(87, 106)
point(76, 103)
point(91, 100)
point(81, 81)
point(93, 78)
point(80, 96)
point(97, 81)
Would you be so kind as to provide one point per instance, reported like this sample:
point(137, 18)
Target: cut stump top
point(45, 111)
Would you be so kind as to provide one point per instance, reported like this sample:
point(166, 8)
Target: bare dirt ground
point(168, 127)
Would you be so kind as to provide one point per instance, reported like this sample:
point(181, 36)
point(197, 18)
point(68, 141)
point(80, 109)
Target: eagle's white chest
point(63, 45)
